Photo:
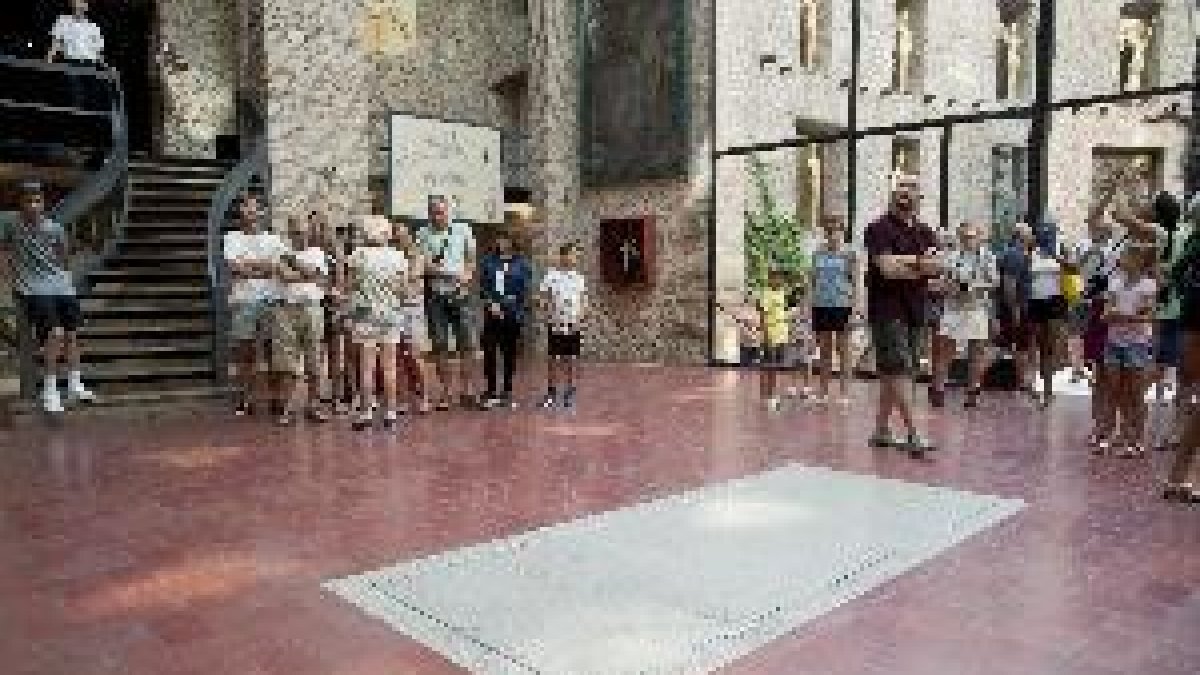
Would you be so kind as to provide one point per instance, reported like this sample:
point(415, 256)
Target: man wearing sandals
point(901, 261)
point(448, 249)
point(297, 325)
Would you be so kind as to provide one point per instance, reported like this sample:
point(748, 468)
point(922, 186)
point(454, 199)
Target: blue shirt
point(507, 282)
point(833, 278)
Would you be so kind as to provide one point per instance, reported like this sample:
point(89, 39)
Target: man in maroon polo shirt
point(901, 262)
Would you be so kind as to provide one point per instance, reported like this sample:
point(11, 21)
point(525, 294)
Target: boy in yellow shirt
point(772, 305)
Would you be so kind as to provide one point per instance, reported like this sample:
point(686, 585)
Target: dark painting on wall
point(634, 104)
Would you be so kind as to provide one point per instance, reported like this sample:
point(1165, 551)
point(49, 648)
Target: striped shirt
point(38, 258)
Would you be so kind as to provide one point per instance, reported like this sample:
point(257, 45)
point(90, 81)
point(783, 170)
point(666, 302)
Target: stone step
point(158, 169)
point(186, 240)
point(196, 217)
point(192, 353)
point(168, 193)
point(142, 401)
point(116, 373)
point(117, 345)
point(143, 307)
point(130, 292)
point(152, 230)
point(159, 331)
point(142, 159)
point(194, 208)
point(124, 324)
point(155, 182)
point(146, 276)
point(196, 260)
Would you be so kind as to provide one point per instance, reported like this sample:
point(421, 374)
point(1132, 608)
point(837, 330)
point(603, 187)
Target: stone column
point(317, 104)
point(553, 132)
point(553, 101)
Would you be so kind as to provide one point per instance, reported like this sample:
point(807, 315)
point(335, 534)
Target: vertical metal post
point(1040, 122)
point(1191, 180)
point(852, 118)
point(712, 190)
point(947, 141)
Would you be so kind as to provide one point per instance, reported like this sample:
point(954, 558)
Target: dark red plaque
point(627, 252)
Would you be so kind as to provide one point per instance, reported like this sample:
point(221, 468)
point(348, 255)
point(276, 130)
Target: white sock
point(74, 380)
point(50, 382)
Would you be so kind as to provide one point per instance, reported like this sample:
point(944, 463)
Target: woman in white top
point(970, 277)
point(379, 281)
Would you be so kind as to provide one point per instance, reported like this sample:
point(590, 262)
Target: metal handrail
point(236, 182)
point(107, 182)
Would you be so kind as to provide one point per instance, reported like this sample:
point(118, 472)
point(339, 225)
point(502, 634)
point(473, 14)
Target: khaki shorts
point(297, 333)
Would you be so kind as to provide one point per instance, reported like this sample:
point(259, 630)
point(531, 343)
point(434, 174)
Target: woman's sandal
point(318, 415)
point(1133, 451)
point(286, 419)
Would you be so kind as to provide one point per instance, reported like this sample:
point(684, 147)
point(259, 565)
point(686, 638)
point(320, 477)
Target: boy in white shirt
point(252, 257)
point(563, 300)
point(297, 325)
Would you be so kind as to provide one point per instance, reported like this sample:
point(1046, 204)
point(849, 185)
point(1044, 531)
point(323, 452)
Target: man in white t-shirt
point(80, 43)
point(253, 258)
point(448, 249)
point(564, 303)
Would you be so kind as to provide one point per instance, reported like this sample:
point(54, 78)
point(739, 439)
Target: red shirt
point(897, 299)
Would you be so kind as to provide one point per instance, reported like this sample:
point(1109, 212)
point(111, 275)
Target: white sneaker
point(80, 394)
point(51, 402)
point(773, 404)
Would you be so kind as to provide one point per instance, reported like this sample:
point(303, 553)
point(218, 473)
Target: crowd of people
point(1117, 309)
point(373, 320)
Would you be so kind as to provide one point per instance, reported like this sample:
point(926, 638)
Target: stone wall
point(457, 51)
point(318, 102)
point(198, 103)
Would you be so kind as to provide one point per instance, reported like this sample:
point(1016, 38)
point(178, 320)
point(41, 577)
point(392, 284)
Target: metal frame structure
point(1040, 114)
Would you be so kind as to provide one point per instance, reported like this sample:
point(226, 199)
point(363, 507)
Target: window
point(1014, 53)
point(1139, 45)
point(812, 32)
point(906, 158)
point(810, 181)
point(906, 53)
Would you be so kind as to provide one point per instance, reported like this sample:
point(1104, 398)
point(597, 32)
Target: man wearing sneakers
point(36, 249)
point(448, 249)
point(901, 260)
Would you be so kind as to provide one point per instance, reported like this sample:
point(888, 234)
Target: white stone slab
point(685, 584)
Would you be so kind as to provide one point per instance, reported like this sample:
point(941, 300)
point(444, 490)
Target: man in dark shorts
point(37, 252)
point(901, 258)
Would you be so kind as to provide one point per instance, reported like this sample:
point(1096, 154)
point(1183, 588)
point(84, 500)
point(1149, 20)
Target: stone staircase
point(147, 334)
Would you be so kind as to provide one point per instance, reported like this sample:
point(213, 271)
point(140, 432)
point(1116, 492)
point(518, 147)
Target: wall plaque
point(627, 251)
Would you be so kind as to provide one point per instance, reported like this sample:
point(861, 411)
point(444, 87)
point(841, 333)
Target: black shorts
point(563, 344)
point(1043, 311)
point(830, 319)
point(47, 312)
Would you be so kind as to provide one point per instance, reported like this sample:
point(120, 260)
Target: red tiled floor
point(181, 544)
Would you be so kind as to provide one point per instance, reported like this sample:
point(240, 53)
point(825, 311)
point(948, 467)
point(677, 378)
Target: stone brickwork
point(198, 103)
point(318, 103)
